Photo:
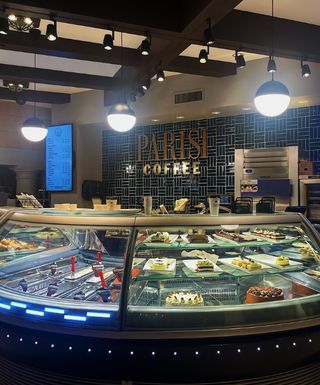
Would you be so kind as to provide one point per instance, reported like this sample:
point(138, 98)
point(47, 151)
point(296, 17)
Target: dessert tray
point(13, 251)
point(271, 261)
point(170, 268)
point(191, 264)
point(228, 262)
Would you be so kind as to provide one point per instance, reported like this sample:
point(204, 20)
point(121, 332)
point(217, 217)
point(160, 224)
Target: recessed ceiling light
point(216, 112)
point(246, 108)
point(179, 117)
point(303, 101)
point(155, 120)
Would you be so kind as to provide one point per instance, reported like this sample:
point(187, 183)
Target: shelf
point(228, 273)
point(215, 245)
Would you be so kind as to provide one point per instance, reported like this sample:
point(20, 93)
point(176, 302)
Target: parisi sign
point(172, 152)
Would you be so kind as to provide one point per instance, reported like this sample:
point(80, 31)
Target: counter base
point(32, 357)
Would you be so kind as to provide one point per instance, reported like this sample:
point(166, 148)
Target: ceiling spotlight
point(208, 35)
point(146, 84)
point(4, 26)
point(108, 41)
point(145, 46)
point(203, 55)
point(240, 60)
point(51, 32)
point(272, 98)
point(271, 65)
point(160, 74)
point(20, 23)
point(305, 70)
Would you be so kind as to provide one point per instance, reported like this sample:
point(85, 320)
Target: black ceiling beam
point(35, 96)
point(251, 32)
point(129, 16)
point(67, 48)
point(190, 65)
point(45, 76)
point(214, 9)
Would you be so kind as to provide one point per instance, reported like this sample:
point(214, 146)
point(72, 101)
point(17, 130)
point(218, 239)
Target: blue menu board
point(59, 158)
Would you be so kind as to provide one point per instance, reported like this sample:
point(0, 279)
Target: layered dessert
point(204, 264)
point(236, 236)
point(159, 236)
point(300, 290)
point(197, 238)
point(159, 264)
point(272, 234)
point(256, 294)
point(282, 261)
point(184, 299)
point(246, 263)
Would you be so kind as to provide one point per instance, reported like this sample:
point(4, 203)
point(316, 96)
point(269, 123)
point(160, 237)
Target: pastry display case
point(93, 290)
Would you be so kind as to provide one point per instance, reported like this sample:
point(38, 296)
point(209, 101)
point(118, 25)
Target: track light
point(240, 60)
point(108, 41)
point(208, 35)
point(305, 70)
point(146, 84)
point(140, 91)
point(4, 26)
point(51, 32)
point(271, 65)
point(145, 46)
point(160, 74)
point(203, 55)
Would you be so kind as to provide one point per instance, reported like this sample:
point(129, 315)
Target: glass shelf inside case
point(63, 263)
point(180, 267)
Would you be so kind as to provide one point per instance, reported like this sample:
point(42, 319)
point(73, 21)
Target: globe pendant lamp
point(34, 129)
point(272, 98)
point(120, 116)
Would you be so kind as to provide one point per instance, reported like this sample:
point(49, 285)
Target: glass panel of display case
point(68, 263)
point(201, 267)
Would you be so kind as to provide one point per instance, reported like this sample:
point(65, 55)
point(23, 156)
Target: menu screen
point(59, 158)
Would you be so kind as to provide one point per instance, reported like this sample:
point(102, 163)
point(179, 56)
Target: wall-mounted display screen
point(59, 151)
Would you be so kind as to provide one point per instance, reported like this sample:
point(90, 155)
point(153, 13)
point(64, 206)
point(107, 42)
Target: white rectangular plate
point(170, 269)
point(287, 239)
point(191, 264)
point(228, 262)
point(271, 261)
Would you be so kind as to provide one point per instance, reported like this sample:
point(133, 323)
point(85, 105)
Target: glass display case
point(166, 277)
point(223, 275)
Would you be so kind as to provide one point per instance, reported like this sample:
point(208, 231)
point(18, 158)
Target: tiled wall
point(123, 174)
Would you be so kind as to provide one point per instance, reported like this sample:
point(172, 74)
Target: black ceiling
point(173, 25)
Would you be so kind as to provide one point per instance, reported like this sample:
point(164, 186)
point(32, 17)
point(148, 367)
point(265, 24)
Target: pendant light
point(34, 129)
point(305, 70)
point(272, 98)
point(121, 117)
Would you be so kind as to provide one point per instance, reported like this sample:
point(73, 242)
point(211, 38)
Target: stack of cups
point(147, 204)
point(214, 203)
